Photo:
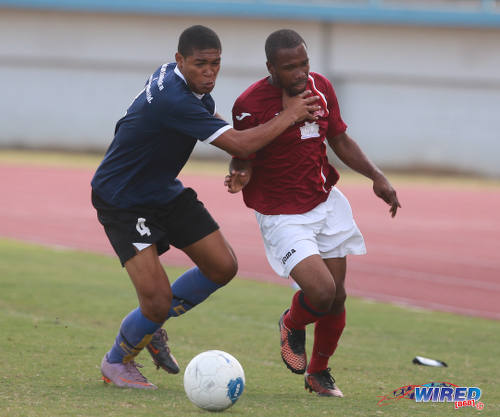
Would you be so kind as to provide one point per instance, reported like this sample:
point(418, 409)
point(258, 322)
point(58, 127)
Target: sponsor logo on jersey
point(241, 116)
point(162, 76)
point(309, 130)
point(149, 97)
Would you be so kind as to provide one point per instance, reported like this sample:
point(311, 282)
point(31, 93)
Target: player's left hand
point(236, 180)
point(384, 190)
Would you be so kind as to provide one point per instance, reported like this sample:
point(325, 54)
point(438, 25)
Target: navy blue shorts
point(180, 223)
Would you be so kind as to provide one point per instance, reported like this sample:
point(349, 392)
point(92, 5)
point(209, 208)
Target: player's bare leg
point(151, 284)
point(155, 298)
point(215, 257)
point(327, 332)
point(216, 266)
point(308, 305)
point(153, 290)
point(338, 268)
point(316, 281)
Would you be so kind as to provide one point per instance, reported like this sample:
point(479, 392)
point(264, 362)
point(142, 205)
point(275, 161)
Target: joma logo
point(287, 256)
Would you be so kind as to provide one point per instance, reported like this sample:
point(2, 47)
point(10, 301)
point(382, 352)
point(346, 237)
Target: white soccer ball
point(214, 380)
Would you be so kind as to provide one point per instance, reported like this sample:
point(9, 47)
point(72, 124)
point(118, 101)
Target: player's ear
point(179, 59)
point(269, 67)
point(272, 70)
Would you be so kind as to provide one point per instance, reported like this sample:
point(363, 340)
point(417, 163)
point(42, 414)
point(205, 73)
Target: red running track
point(441, 252)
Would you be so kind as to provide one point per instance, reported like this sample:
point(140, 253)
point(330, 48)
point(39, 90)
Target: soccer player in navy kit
point(144, 208)
point(305, 221)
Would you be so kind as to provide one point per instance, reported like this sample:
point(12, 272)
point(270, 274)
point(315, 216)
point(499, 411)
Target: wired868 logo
point(461, 396)
point(437, 392)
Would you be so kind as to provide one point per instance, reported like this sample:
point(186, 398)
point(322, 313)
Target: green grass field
point(59, 312)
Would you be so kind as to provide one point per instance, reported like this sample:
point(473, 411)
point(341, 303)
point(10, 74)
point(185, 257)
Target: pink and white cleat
point(124, 375)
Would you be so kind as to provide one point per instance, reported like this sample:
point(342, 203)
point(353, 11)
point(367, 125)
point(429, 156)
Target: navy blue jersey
point(154, 140)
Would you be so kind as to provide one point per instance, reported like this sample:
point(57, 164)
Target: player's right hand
point(302, 106)
point(236, 180)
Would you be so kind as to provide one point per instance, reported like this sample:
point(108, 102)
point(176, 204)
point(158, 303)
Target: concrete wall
point(412, 96)
point(421, 96)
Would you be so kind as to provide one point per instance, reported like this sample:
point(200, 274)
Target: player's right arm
point(242, 143)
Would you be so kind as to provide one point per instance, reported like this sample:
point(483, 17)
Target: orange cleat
point(322, 383)
point(293, 347)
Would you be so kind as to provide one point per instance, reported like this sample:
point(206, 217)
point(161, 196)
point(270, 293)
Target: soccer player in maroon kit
point(305, 221)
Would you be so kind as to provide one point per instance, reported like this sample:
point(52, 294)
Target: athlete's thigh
point(337, 268)
point(214, 256)
point(313, 276)
point(289, 239)
point(147, 273)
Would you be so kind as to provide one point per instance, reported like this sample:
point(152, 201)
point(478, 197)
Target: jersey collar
point(179, 74)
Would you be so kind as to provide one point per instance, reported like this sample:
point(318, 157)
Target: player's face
point(200, 69)
point(290, 69)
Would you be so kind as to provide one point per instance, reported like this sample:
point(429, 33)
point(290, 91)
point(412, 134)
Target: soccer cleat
point(322, 383)
point(124, 375)
point(160, 352)
point(293, 347)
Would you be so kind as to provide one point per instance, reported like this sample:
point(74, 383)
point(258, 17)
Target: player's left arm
point(351, 154)
point(240, 172)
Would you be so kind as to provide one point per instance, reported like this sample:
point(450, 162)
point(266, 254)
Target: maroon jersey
point(292, 174)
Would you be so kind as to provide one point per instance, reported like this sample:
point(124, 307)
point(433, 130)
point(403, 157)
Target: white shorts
point(328, 230)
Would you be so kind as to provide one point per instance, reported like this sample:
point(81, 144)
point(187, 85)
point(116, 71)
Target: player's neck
point(272, 82)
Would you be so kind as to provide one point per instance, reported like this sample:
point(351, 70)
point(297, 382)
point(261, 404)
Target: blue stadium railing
point(479, 13)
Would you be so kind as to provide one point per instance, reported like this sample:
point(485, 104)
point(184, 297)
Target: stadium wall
point(413, 96)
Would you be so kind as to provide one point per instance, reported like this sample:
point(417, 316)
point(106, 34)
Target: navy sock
point(135, 333)
point(189, 290)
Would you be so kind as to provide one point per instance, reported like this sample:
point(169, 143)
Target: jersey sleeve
point(190, 117)
point(243, 119)
point(336, 125)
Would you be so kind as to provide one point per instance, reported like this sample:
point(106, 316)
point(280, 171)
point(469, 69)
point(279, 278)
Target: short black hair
point(281, 39)
point(197, 37)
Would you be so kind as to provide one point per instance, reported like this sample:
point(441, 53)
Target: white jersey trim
point(216, 134)
point(319, 92)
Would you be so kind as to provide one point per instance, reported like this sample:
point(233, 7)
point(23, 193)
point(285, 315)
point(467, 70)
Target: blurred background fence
point(418, 81)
